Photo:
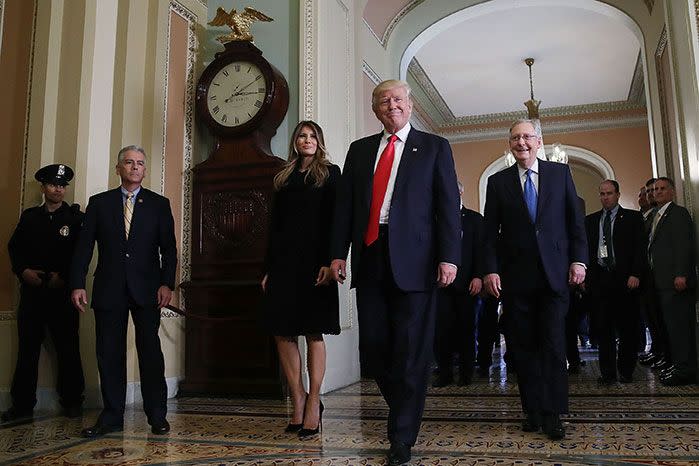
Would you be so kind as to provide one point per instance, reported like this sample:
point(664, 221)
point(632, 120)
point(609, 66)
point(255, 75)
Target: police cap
point(57, 174)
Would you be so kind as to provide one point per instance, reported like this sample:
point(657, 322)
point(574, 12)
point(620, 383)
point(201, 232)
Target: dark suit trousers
point(111, 325)
point(654, 319)
point(456, 322)
point(396, 334)
point(575, 311)
point(615, 313)
point(487, 331)
point(678, 316)
point(536, 333)
point(42, 309)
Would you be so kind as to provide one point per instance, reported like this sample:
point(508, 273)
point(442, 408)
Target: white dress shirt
point(398, 145)
point(534, 175)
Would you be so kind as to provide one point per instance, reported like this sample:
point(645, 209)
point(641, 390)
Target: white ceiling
point(582, 57)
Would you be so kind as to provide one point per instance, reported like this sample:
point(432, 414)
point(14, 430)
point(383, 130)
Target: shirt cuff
point(449, 264)
point(581, 265)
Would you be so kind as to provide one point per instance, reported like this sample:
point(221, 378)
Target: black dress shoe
point(532, 423)
point(14, 414)
point(160, 427)
point(442, 382)
point(293, 428)
point(553, 427)
point(464, 379)
point(99, 430)
point(606, 381)
point(398, 454)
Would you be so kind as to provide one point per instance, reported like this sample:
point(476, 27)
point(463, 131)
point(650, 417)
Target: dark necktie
point(378, 192)
point(530, 196)
point(607, 238)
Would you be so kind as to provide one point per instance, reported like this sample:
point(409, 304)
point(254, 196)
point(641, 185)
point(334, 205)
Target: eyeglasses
point(526, 137)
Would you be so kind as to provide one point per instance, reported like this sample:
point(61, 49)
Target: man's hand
point(492, 284)
point(263, 283)
point(164, 296)
point(32, 277)
point(576, 274)
point(633, 282)
point(680, 283)
point(324, 276)
point(446, 273)
point(475, 286)
point(338, 267)
point(79, 299)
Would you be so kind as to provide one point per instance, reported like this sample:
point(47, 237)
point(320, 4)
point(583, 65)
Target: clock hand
point(239, 92)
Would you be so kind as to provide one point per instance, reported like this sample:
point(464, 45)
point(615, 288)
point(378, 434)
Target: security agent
point(40, 250)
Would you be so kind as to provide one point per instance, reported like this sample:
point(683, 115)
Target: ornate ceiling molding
point(500, 131)
point(423, 80)
point(371, 74)
point(637, 89)
point(396, 19)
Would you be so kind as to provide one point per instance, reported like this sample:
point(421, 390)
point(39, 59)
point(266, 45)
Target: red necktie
point(381, 176)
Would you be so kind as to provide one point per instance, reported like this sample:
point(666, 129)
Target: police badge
point(64, 231)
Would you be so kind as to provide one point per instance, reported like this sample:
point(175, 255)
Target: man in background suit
point(616, 245)
point(671, 255)
point(535, 247)
point(456, 304)
point(137, 256)
point(398, 206)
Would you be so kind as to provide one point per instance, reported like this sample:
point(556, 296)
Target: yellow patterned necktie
point(128, 213)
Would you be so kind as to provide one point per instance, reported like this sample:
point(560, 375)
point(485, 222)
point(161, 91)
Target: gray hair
point(536, 123)
point(133, 147)
point(386, 85)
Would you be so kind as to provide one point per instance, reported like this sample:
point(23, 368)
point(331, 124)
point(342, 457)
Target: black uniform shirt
point(45, 240)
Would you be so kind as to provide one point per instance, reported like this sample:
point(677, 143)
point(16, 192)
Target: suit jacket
point(514, 244)
point(423, 224)
point(671, 249)
point(628, 240)
point(139, 265)
point(471, 250)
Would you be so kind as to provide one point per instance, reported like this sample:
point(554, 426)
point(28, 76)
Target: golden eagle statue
point(238, 22)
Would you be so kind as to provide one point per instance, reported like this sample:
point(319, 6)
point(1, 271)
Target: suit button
point(127, 254)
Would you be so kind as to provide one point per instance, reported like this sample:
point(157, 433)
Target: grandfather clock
point(242, 99)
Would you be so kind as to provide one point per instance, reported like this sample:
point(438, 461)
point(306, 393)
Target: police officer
point(40, 250)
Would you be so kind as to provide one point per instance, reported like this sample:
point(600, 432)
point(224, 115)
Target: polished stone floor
point(634, 424)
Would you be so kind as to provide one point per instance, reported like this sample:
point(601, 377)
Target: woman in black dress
point(300, 296)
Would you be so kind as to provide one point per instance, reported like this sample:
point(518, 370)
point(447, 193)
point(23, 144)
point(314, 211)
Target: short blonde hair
point(386, 85)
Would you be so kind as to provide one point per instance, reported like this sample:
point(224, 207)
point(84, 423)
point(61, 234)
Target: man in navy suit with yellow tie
point(398, 206)
point(535, 248)
point(137, 256)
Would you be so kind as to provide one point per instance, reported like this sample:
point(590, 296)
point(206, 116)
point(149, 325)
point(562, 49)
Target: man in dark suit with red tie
point(137, 256)
point(398, 206)
point(535, 248)
point(617, 249)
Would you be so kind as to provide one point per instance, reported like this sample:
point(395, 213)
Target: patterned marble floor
point(634, 424)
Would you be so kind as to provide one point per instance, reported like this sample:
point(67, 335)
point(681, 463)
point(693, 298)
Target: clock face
point(236, 94)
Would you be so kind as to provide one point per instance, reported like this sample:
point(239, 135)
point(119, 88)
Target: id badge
point(603, 251)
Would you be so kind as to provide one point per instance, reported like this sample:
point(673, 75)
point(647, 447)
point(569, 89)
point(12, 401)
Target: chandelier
point(557, 153)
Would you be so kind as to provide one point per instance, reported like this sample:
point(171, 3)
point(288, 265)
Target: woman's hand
point(324, 276)
point(263, 283)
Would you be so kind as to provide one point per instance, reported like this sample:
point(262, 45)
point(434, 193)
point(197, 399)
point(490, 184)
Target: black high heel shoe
point(294, 428)
point(305, 434)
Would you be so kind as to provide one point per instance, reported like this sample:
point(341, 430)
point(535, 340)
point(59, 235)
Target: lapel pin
point(140, 201)
point(414, 149)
